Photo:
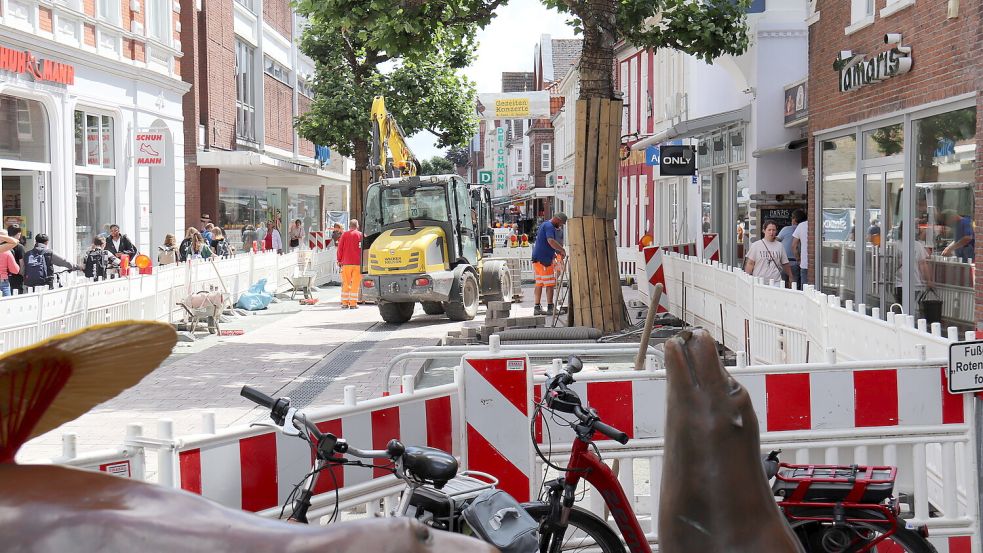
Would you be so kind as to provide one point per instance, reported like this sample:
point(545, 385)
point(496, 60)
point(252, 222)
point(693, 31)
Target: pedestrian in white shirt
point(800, 244)
point(766, 258)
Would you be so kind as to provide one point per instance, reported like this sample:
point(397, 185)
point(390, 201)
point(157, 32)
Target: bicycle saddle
point(430, 465)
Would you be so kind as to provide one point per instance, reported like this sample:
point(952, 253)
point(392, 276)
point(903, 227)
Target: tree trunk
point(595, 297)
point(361, 177)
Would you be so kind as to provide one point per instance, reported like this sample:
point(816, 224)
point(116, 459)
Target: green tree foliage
point(423, 92)
point(436, 166)
point(459, 155)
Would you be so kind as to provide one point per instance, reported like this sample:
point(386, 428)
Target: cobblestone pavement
point(306, 352)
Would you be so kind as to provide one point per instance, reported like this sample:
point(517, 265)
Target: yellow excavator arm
point(388, 140)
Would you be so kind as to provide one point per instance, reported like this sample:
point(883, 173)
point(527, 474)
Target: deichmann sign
point(148, 148)
point(500, 175)
point(855, 72)
point(484, 177)
point(966, 367)
point(25, 62)
point(677, 161)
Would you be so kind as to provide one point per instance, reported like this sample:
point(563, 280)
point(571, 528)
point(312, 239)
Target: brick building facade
point(896, 156)
point(246, 165)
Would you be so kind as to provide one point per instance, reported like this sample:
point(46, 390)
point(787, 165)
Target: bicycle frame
point(584, 464)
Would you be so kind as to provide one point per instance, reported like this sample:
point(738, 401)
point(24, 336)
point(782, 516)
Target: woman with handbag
point(766, 258)
point(296, 233)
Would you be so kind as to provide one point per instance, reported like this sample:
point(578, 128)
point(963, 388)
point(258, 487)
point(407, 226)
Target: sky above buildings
point(504, 45)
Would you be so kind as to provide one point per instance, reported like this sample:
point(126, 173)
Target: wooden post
point(595, 282)
point(360, 180)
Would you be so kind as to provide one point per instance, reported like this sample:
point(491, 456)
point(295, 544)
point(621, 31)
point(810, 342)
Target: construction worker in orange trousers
point(350, 261)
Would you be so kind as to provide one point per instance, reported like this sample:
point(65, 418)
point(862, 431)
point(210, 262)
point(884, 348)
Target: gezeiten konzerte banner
point(514, 105)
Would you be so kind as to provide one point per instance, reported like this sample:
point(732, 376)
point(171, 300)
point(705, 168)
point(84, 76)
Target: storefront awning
point(796, 144)
point(262, 165)
point(694, 127)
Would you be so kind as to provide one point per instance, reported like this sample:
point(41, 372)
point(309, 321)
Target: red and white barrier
point(315, 240)
point(711, 247)
point(654, 272)
point(497, 400)
point(255, 470)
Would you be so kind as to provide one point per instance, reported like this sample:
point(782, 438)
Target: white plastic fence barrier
point(627, 261)
point(779, 325)
point(28, 318)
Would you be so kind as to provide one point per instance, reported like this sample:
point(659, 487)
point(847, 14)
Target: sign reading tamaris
point(514, 105)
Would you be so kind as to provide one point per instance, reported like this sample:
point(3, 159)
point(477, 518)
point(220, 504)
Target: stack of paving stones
point(496, 320)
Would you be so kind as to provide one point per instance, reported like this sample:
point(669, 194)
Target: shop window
point(245, 92)
point(305, 89)
point(885, 141)
point(703, 153)
point(95, 144)
point(838, 200)
point(945, 172)
point(276, 70)
point(108, 10)
point(158, 20)
point(23, 130)
point(743, 203)
point(736, 145)
point(95, 198)
point(719, 149)
point(305, 207)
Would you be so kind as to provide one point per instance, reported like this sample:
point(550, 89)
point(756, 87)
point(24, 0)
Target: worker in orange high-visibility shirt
point(350, 261)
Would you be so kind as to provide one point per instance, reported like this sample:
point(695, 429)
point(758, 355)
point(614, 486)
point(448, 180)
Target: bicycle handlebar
point(257, 397)
point(568, 401)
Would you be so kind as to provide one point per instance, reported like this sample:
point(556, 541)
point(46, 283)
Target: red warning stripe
point(385, 427)
point(875, 397)
point(257, 459)
point(439, 424)
point(615, 405)
point(511, 384)
point(483, 456)
point(190, 463)
point(325, 483)
point(788, 402)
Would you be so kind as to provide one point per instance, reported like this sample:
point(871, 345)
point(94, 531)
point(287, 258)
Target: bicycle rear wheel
point(585, 532)
point(824, 538)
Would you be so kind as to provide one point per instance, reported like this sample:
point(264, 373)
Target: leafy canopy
point(423, 90)
point(706, 30)
point(436, 166)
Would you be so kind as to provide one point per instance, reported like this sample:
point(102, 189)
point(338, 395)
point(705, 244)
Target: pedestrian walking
point(785, 237)
point(296, 233)
point(218, 243)
point(544, 256)
point(272, 240)
point(191, 245)
point(336, 233)
point(249, 238)
point(350, 261)
point(118, 244)
point(8, 265)
point(167, 253)
point(18, 251)
point(766, 258)
point(207, 233)
point(98, 261)
point(800, 243)
point(39, 264)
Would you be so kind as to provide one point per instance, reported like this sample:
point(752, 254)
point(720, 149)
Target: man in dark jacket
point(39, 264)
point(118, 244)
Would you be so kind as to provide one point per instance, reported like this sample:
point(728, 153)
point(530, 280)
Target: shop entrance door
point(882, 238)
point(23, 200)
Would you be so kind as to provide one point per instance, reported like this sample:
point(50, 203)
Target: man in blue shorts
point(544, 253)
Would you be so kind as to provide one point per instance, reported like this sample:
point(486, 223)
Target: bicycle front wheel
point(585, 532)
point(824, 538)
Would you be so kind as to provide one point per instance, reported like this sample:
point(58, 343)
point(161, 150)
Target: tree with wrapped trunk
point(706, 30)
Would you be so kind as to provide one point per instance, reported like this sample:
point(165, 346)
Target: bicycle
point(563, 526)
point(435, 490)
point(844, 508)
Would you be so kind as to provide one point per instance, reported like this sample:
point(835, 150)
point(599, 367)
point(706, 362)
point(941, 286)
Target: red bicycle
point(563, 526)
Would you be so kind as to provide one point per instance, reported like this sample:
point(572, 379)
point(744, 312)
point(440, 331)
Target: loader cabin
point(412, 203)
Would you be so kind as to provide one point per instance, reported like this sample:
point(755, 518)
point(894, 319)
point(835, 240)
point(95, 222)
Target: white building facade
point(80, 83)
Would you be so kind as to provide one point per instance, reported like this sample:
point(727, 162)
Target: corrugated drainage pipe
point(581, 333)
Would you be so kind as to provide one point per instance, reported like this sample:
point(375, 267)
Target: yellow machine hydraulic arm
point(390, 155)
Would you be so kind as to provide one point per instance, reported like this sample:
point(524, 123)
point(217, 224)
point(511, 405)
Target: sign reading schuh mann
point(22, 61)
point(148, 148)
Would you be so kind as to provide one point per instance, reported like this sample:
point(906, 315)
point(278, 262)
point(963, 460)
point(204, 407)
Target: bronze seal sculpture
point(715, 497)
point(46, 508)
